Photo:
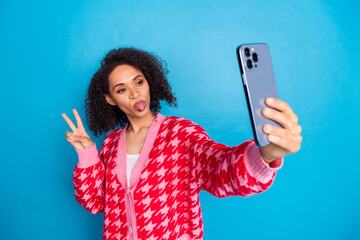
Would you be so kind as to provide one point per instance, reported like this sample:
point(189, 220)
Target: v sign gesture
point(78, 138)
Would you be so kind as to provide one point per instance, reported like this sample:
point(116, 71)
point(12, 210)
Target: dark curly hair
point(101, 116)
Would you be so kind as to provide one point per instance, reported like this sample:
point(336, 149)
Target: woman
point(147, 176)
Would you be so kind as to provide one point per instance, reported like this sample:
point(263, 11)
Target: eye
point(139, 83)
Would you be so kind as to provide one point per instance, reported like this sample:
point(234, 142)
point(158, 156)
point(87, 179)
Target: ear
point(109, 100)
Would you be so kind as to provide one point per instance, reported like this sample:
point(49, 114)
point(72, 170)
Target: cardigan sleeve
point(228, 171)
point(88, 179)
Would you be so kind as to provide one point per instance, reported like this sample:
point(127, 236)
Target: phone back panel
point(259, 84)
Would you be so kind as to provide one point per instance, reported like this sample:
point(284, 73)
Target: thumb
point(84, 141)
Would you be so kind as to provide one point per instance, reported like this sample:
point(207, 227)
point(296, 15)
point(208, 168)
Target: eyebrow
point(119, 84)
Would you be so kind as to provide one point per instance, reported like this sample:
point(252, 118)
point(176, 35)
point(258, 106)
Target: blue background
point(50, 49)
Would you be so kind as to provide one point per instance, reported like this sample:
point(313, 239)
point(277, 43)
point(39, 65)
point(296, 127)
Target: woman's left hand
point(283, 141)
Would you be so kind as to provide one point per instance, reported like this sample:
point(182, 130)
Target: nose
point(133, 93)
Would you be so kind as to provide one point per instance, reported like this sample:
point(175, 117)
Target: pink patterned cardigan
point(177, 160)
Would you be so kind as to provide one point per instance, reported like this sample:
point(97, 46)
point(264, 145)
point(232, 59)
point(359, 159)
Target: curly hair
point(101, 116)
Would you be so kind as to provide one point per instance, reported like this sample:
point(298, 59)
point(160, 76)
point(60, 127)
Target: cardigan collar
point(144, 154)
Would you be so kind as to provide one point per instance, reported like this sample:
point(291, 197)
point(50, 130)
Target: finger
point(299, 129)
point(291, 134)
point(73, 140)
point(78, 119)
point(282, 133)
point(282, 107)
point(69, 122)
point(288, 145)
point(273, 130)
point(75, 144)
point(84, 141)
point(279, 117)
point(76, 138)
point(296, 129)
point(69, 139)
point(67, 133)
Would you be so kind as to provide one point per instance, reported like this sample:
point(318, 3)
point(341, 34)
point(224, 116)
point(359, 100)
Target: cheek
point(121, 101)
point(146, 90)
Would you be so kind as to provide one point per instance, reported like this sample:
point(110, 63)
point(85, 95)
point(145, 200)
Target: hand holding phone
point(259, 83)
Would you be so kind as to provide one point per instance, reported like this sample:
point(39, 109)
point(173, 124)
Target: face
point(127, 86)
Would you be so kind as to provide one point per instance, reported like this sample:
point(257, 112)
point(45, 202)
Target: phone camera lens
point(255, 57)
point(249, 63)
point(247, 52)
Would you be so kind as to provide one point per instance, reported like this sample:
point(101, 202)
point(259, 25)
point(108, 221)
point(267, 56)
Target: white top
point(131, 159)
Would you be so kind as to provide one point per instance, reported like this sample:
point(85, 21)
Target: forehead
point(123, 73)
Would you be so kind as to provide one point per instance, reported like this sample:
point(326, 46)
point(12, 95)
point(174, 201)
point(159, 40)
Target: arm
point(228, 171)
point(88, 179)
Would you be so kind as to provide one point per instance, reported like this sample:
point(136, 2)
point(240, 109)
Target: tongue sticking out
point(140, 106)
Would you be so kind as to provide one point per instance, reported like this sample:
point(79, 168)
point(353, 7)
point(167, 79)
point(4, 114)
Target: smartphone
point(259, 83)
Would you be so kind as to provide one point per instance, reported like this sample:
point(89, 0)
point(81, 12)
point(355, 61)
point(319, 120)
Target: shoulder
point(113, 135)
point(184, 125)
point(179, 121)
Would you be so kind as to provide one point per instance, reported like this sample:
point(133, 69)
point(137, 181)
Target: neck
point(136, 124)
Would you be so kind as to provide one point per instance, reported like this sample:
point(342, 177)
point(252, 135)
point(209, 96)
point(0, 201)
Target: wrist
point(266, 159)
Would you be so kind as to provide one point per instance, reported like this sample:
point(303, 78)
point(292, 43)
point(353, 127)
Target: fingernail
point(273, 138)
point(71, 137)
point(267, 128)
point(270, 100)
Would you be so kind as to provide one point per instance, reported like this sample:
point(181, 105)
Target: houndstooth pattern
point(182, 161)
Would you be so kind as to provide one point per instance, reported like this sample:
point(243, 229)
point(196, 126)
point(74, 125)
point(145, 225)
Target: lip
point(139, 102)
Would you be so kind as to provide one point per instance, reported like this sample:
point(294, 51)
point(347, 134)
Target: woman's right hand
point(78, 138)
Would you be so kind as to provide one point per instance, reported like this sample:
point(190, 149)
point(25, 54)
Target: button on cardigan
point(177, 160)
